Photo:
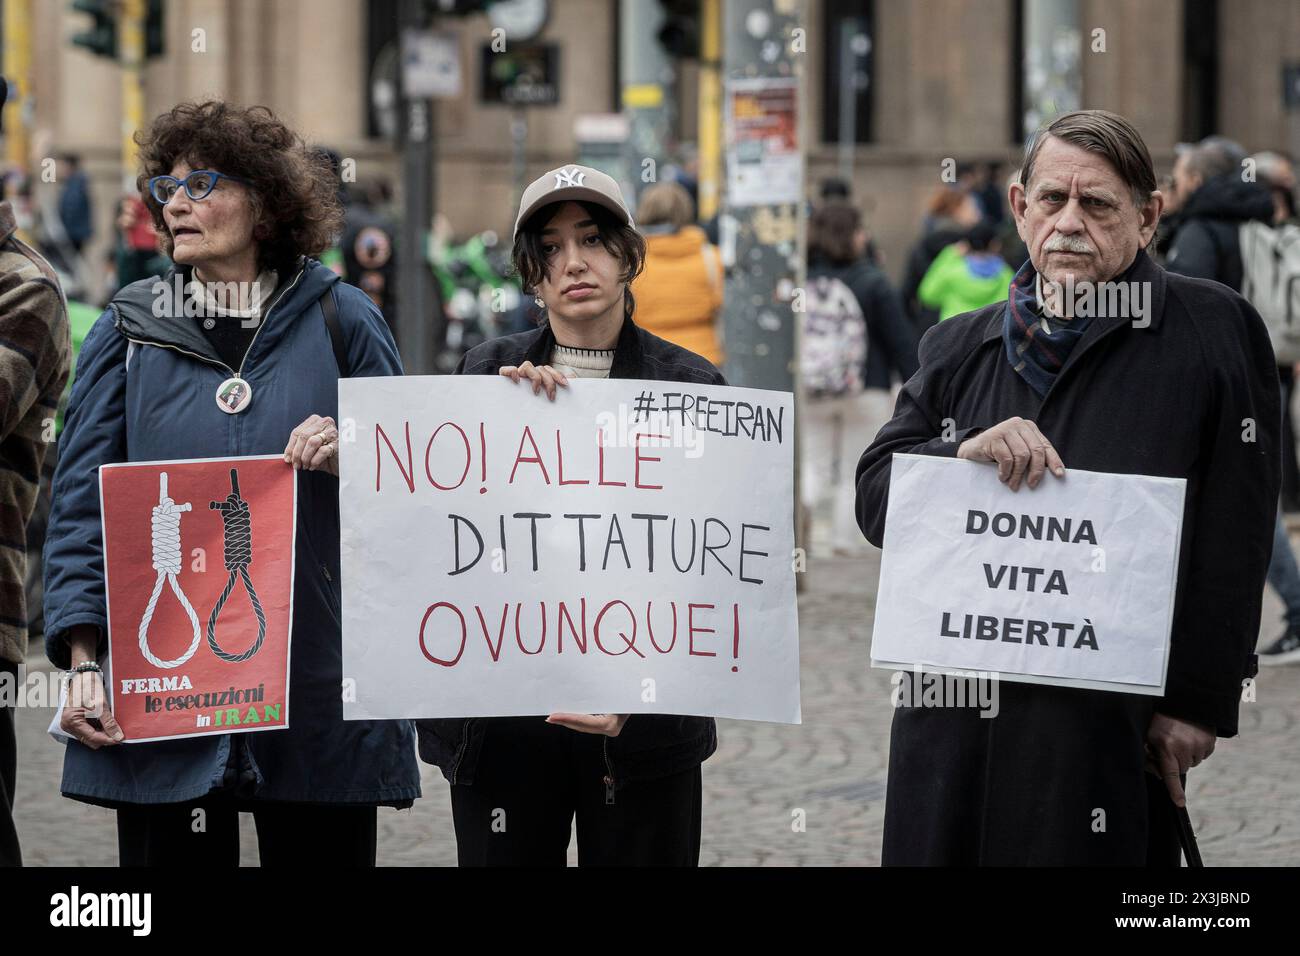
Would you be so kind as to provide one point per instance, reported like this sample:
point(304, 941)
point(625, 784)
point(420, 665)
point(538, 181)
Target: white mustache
point(1061, 243)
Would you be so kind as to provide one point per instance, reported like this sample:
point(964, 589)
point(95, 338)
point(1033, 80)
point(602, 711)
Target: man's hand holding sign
point(1021, 452)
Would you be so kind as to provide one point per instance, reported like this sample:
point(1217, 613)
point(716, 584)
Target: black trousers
point(533, 778)
point(10, 852)
point(206, 831)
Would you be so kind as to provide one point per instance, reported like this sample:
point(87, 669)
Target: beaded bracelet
point(86, 667)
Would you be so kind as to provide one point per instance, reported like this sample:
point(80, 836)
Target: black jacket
point(891, 340)
point(650, 745)
point(1206, 245)
point(1169, 400)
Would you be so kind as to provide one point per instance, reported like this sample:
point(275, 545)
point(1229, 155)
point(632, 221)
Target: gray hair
point(1272, 168)
point(1215, 156)
point(1105, 133)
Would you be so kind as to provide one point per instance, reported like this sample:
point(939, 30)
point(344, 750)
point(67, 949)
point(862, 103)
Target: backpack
point(1270, 281)
point(833, 348)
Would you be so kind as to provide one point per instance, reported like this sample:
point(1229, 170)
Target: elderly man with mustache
point(1179, 384)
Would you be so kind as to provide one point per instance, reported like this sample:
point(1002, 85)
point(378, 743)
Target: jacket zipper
point(266, 320)
point(176, 348)
point(609, 775)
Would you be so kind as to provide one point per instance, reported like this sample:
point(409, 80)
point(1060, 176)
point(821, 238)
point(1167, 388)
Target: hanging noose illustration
point(166, 525)
point(238, 529)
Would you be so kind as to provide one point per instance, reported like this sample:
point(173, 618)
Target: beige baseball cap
point(572, 182)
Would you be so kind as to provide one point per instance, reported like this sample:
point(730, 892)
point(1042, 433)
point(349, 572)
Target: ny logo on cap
point(569, 177)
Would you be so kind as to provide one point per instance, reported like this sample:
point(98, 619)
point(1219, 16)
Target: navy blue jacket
point(75, 209)
point(144, 392)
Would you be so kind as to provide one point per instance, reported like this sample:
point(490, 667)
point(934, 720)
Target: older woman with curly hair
point(245, 361)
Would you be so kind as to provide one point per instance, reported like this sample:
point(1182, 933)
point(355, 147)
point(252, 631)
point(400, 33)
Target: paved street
point(1244, 801)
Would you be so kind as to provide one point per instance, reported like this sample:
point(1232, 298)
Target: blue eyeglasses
point(198, 185)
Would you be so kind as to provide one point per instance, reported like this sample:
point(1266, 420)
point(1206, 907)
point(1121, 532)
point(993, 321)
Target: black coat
point(1168, 400)
point(891, 339)
point(650, 745)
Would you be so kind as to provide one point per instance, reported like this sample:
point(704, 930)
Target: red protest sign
point(199, 563)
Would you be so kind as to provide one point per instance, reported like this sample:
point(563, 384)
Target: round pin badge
point(234, 395)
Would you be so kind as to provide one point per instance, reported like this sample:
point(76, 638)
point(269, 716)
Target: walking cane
point(1187, 838)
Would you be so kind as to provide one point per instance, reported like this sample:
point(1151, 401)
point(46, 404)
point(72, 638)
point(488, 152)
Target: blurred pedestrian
point(34, 364)
point(833, 189)
point(1277, 172)
point(949, 216)
point(76, 211)
point(136, 252)
point(1219, 205)
point(679, 291)
point(633, 783)
point(1215, 199)
point(241, 206)
point(967, 275)
point(363, 253)
point(984, 186)
point(854, 339)
point(367, 243)
point(1014, 252)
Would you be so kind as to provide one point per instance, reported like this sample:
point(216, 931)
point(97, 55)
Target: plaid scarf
point(1036, 353)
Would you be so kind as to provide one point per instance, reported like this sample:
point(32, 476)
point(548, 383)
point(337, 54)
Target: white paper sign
point(1071, 583)
point(506, 555)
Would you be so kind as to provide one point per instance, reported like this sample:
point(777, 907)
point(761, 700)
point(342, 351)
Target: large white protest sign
point(627, 548)
point(1070, 583)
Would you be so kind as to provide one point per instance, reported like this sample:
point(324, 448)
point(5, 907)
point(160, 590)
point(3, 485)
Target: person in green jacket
point(966, 275)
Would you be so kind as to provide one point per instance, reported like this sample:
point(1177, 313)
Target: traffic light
point(680, 33)
point(101, 38)
point(153, 30)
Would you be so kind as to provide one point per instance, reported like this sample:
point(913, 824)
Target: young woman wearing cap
point(632, 782)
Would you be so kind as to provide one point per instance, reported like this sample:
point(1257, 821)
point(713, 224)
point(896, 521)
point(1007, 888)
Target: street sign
point(524, 75)
point(430, 64)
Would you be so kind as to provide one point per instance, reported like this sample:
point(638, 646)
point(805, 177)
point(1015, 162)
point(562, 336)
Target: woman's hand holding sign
point(608, 724)
point(1018, 447)
point(87, 704)
point(314, 446)
point(542, 377)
